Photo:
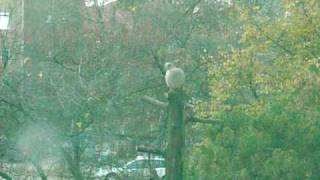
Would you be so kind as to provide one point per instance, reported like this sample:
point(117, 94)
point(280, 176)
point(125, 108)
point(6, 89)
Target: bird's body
point(174, 77)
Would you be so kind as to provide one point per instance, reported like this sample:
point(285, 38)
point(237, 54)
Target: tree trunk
point(76, 159)
point(39, 170)
point(174, 159)
point(5, 176)
point(73, 161)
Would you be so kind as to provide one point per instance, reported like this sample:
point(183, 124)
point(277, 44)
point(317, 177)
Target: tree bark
point(73, 159)
point(39, 170)
point(175, 149)
point(76, 159)
point(5, 176)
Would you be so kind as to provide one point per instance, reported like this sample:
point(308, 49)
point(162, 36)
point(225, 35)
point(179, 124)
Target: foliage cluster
point(266, 93)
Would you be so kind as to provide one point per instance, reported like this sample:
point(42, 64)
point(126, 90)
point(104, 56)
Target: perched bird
point(174, 77)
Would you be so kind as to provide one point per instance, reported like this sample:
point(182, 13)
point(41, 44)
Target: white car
point(140, 168)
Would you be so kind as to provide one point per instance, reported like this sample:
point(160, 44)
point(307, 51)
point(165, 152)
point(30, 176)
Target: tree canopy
point(72, 90)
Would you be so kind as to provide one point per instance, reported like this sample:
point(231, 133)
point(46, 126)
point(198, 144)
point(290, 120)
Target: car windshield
point(141, 164)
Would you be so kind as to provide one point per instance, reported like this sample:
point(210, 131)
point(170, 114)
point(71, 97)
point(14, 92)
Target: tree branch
point(155, 102)
point(5, 176)
point(150, 150)
point(158, 62)
point(204, 120)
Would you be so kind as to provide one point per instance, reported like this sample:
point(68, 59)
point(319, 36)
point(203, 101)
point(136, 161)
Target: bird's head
point(168, 66)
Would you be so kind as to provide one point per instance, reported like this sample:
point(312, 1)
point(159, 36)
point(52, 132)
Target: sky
point(90, 3)
point(4, 21)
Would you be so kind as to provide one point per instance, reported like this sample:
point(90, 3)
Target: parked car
point(140, 168)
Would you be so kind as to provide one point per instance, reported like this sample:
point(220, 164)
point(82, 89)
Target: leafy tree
point(76, 90)
point(265, 93)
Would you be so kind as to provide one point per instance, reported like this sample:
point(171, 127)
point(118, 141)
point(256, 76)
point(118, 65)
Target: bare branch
point(150, 150)
point(5, 176)
point(155, 102)
point(157, 62)
point(204, 120)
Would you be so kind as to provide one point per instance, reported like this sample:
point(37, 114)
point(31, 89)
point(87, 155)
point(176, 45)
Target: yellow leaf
point(40, 75)
point(79, 124)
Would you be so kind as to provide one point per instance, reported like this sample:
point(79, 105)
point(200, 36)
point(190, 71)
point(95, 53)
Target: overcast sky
point(4, 21)
point(90, 3)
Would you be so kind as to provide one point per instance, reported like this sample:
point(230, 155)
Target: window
point(158, 164)
point(144, 164)
point(135, 165)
